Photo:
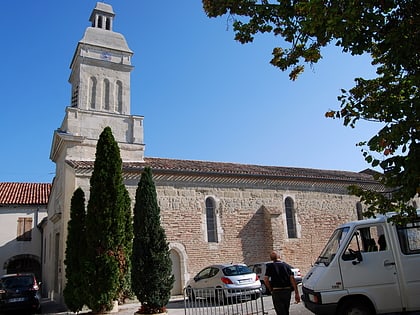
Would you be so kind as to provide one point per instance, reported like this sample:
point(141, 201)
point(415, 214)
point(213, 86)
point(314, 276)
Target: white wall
point(9, 246)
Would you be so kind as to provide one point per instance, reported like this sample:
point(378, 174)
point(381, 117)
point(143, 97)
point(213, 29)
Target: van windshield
point(334, 243)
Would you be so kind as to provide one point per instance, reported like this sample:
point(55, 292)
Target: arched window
point(75, 96)
point(211, 221)
point(290, 218)
point(119, 97)
point(92, 92)
point(106, 94)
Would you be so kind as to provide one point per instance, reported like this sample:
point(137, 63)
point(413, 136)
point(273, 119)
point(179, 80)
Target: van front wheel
point(355, 307)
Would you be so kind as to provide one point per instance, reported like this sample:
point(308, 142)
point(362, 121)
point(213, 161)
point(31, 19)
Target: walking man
point(280, 281)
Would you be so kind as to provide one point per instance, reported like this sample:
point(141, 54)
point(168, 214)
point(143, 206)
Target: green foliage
point(73, 293)
point(108, 231)
point(125, 261)
point(388, 30)
point(151, 275)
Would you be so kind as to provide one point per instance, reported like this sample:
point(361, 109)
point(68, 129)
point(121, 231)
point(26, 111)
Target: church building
point(212, 212)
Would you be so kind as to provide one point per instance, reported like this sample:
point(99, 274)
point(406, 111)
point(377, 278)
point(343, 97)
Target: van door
point(408, 248)
point(370, 271)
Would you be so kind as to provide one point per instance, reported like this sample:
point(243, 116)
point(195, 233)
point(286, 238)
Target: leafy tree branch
point(387, 30)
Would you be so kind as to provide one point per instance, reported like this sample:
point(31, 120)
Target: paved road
point(175, 307)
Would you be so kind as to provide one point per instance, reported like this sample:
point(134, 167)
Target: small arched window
point(92, 93)
point(211, 221)
point(119, 97)
point(290, 218)
point(75, 96)
point(106, 94)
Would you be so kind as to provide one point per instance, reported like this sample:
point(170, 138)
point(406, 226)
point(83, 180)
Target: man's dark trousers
point(281, 301)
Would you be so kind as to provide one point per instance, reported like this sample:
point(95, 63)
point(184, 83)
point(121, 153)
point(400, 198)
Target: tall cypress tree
point(151, 274)
point(73, 293)
point(125, 262)
point(108, 239)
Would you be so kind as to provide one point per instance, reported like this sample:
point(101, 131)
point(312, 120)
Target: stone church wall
point(251, 222)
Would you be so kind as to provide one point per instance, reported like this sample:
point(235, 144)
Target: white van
point(367, 267)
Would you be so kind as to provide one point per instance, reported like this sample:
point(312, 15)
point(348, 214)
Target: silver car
point(223, 282)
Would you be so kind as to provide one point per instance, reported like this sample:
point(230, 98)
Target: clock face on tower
point(106, 56)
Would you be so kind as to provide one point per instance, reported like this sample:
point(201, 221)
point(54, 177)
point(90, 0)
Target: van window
point(409, 238)
point(366, 240)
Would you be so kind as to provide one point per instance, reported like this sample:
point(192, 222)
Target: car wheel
point(219, 295)
point(32, 311)
point(190, 294)
point(355, 307)
point(263, 288)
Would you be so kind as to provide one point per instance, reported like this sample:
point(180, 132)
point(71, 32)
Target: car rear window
point(17, 282)
point(236, 270)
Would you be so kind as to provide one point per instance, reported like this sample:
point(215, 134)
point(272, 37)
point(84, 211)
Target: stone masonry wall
point(251, 222)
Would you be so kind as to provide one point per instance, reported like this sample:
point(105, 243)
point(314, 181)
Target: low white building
point(22, 208)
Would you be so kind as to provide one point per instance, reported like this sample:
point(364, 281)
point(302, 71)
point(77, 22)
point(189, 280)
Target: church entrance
point(176, 271)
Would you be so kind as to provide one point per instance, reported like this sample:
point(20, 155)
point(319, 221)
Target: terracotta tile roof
point(24, 193)
point(235, 169)
point(246, 169)
point(185, 170)
point(234, 173)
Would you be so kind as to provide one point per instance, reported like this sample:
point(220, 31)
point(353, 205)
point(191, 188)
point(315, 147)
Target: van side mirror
point(356, 256)
point(353, 255)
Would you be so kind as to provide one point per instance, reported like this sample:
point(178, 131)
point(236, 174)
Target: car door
point(369, 271)
point(203, 283)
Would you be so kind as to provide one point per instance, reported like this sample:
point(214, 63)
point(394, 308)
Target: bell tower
point(100, 94)
point(101, 66)
point(100, 97)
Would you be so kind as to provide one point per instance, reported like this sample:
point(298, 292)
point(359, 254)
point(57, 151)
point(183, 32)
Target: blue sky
point(203, 95)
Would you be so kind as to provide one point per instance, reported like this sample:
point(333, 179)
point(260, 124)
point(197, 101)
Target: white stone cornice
point(60, 140)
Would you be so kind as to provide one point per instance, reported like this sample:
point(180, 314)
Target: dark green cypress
point(74, 294)
point(108, 239)
point(125, 264)
point(151, 274)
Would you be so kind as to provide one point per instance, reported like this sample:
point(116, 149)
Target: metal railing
point(216, 301)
